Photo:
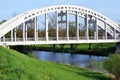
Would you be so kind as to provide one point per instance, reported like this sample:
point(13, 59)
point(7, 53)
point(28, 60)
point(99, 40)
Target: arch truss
point(63, 24)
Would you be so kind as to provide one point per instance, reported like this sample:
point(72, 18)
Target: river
point(85, 61)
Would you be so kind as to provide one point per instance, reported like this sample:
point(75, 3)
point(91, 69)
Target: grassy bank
point(17, 66)
point(102, 49)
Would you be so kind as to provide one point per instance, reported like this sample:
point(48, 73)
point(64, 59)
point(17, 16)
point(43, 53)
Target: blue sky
point(109, 8)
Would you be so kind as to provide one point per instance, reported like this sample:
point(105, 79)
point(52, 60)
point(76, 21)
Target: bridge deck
point(57, 42)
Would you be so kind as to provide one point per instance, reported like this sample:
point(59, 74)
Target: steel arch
point(19, 19)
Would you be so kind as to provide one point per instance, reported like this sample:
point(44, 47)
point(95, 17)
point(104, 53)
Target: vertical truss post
point(105, 31)
point(57, 28)
point(114, 34)
point(103, 34)
point(23, 31)
point(67, 25)
point(4, 38)
point(77, 26)
point(46, 26)
point(26, 32)
point(35, 29)
point(12, 35)
point(96, 29)
point(87, 27)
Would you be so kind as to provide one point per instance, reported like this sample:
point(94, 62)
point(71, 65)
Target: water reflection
point(84, 61)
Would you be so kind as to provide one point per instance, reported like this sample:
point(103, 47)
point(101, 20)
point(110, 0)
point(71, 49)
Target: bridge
point(95, 27)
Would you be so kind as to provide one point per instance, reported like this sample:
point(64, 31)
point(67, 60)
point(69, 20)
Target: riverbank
point(103, 49)
point(17, 66)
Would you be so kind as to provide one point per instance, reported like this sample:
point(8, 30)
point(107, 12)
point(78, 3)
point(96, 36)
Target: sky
point(109, 8)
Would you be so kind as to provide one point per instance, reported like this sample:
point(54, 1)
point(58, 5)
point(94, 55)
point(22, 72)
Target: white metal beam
point(57, 27)
point(77, 26)
point(46, 26)
point(11, 35)
point(23, 24)
point(67, 25)
point(86, 28)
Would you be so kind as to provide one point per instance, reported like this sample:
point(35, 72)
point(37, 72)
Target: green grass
point(17, 66)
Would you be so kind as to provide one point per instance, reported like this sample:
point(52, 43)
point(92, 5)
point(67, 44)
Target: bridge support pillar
point(5, 45)
point(117, 47)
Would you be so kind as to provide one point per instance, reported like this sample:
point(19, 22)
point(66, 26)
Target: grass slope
point(17, 66)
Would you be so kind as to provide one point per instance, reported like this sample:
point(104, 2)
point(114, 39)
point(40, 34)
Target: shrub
point(112, 65)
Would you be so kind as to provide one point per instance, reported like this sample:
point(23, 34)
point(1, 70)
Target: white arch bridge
point(88, 27)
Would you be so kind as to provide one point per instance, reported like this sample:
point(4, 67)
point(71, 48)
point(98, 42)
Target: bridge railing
point(54, 39)
point(9, 39)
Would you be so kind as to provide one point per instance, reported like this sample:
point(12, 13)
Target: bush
point(112, 65)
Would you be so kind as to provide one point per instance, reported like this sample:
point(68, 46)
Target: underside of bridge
point(62, 24)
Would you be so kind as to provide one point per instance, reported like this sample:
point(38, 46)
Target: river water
point(85, 61)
